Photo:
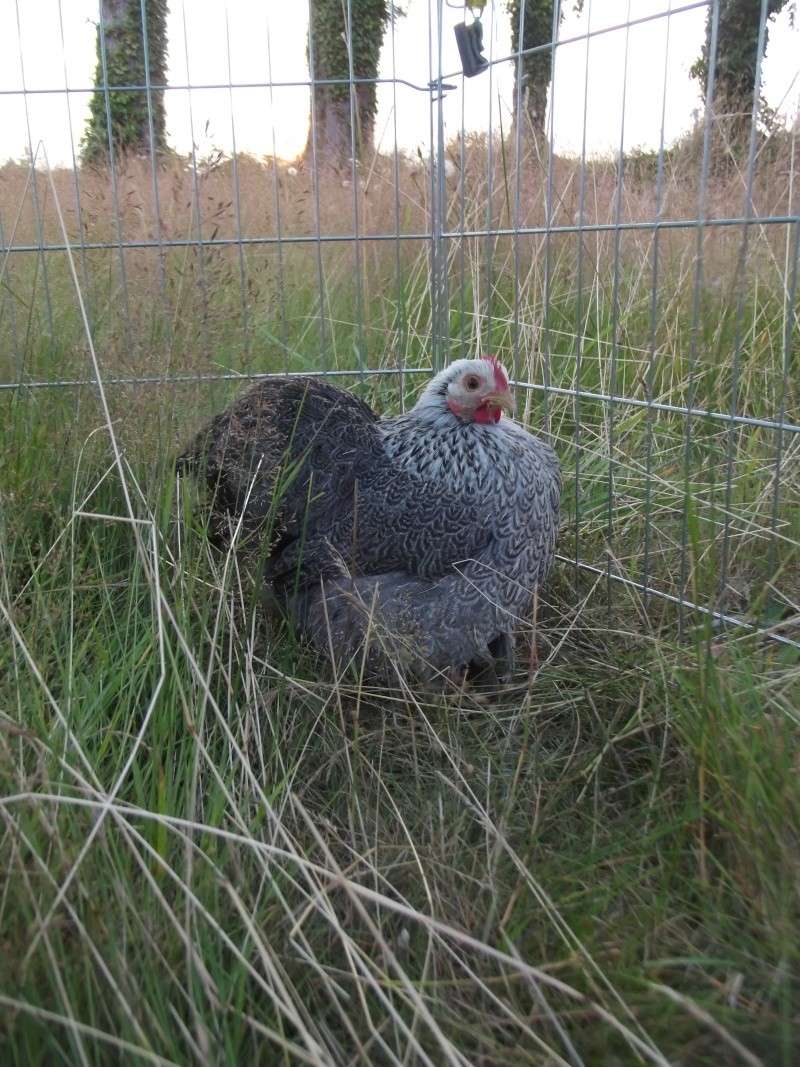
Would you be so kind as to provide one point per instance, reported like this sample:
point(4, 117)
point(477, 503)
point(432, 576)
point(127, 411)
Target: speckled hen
point(416, 540)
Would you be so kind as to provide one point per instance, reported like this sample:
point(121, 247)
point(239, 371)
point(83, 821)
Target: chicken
point(418, 538)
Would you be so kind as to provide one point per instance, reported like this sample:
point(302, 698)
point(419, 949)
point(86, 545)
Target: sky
point(621, 74)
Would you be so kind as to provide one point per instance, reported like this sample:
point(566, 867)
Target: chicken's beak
point(501, 399)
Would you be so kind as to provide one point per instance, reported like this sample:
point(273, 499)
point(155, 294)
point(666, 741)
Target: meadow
point(213, 849)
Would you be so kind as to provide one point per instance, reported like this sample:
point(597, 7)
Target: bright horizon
point(624, 99)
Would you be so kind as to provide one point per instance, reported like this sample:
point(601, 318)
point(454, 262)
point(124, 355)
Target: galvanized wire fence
point(647, 303)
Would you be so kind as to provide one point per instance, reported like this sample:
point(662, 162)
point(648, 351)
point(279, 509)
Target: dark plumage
point(421, 536)
point(287, 452)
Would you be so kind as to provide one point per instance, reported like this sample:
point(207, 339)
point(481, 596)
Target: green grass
point(212, 851)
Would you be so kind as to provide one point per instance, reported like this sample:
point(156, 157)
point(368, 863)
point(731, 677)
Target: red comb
point(500, 379)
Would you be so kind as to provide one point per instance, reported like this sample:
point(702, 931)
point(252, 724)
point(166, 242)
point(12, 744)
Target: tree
point(534, 70)
point(122, 35)
point(329, 58)
point(737, 54)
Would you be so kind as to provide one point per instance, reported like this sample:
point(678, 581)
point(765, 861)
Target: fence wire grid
point(647, 303)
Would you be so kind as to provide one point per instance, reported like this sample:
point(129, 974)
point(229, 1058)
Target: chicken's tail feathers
point(193, 455)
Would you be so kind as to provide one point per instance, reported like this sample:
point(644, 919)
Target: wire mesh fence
point(646, 302)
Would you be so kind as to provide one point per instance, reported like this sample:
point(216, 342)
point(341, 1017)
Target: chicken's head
point(473, 390)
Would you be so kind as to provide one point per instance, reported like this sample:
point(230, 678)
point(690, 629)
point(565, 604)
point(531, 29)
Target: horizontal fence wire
point(160, 87)
point(307, 83)
point(222, 376)
point(720, 618)
point(468, 290)
point(383, 372)
point(448, 235)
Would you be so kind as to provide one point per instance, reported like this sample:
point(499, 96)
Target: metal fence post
point(440, 317)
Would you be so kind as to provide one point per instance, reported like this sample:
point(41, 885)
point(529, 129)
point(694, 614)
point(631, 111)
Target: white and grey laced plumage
point(416, 540)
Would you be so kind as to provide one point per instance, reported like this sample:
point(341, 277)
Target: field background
point(211, 850)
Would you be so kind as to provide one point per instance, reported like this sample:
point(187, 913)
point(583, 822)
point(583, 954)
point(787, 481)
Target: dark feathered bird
point(421, 537)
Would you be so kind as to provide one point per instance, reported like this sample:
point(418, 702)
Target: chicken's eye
point(472, 382)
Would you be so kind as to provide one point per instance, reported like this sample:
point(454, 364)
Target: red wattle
point(485, 414)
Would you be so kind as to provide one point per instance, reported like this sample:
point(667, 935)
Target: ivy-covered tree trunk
point(329, 58)
point(534, 70)
point(122, 33)
point(737, 53)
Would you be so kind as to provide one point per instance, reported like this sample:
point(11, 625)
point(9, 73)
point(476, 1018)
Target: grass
point(214, 851)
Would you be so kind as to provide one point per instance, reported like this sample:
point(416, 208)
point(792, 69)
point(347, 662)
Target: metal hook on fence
point(437, 86)
point(475, 6)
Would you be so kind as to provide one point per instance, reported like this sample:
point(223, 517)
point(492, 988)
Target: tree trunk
point(737, 56)
point(334, 146)
point(121, 34)
point(534, 71)
point(330, 137)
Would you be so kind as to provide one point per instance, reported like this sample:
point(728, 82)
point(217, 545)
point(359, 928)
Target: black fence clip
point(469, 39)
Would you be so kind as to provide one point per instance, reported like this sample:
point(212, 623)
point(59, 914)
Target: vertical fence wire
point(400, 332)
point(518, 163)
point(490, 239)
point(355, 134)
point(619, 193)
point(325, 341)
point(162, 267)
point(437, 355)
point(114, 180)
point(73, 158)
point(197, 204)
point(237, 197)
point(462, 220)
point(747, 213)
point(438, 251)
point(439, 172)
point(277, 208)
point(41, 259)
point(790, 325)
point(9, 304)
point(702, 206)
point(549, 216)
point(649, 381)
point(581, 329)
